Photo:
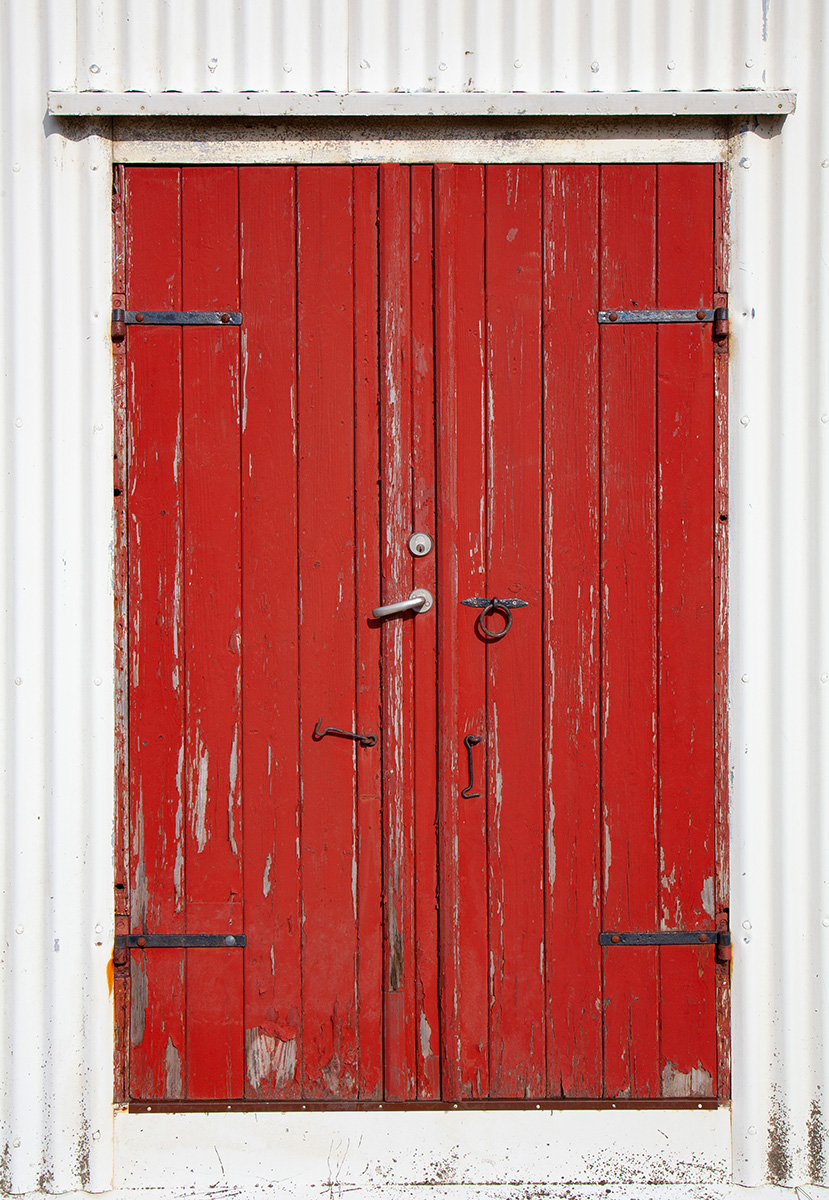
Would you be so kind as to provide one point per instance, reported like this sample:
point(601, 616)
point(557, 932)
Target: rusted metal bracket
point(179, 941)
point(121, 317)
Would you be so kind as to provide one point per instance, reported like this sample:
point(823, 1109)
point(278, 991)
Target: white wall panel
point(421, 45)
point(532, 46)
point(780, 685)
point(56, 696)
point(55, 939)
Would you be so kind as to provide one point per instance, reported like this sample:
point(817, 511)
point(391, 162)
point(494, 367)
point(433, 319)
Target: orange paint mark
point(110, 974)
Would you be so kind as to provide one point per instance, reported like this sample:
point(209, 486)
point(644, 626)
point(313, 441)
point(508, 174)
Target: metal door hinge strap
point(685, 937)
point(123, 316)
point(144, 317)
point(659, 316)
point(482, 602)
point(178, 941)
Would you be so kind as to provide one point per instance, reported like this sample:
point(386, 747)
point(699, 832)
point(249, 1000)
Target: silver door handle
point(419, 601)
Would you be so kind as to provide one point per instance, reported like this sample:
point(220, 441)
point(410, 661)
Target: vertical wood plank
point(397, 632)
point(327, 626)
point(156, 633)
point(212, 624)
point(685, 240)
point(461, 562)
point(629, 651)
point(514, 489)
point(369, 780)
point(120, 458)
point(572, 645)
point(427, 1005)
point(270, 744)
point(723, 891)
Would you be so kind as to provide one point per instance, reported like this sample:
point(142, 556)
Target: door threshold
point(255, 1106)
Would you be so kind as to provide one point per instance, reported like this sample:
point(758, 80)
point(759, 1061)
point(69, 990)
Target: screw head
point(700, 314)
point(614, 316)
point(615, 939)
point(139, 318)
point(141, 942)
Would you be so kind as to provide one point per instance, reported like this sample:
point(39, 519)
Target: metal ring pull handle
point(494, 606)
point(420, 601)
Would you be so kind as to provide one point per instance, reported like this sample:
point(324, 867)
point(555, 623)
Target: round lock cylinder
point(420, 544)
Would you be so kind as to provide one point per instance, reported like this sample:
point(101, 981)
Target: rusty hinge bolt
point(723, 951)
point(118, 329)
point(720, 327)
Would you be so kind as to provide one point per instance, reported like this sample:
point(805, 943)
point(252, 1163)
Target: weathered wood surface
point(420, 352)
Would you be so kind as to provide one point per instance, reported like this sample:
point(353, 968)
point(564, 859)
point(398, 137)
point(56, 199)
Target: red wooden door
point(419, 350)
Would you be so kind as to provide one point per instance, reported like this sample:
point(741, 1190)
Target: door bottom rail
point(290, 1106)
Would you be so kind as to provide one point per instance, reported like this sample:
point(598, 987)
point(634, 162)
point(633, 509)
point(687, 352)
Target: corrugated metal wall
point(433, 45)
point(57, 721)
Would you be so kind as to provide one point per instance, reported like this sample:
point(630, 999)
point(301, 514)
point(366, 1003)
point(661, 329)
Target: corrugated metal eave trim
point(417, 104)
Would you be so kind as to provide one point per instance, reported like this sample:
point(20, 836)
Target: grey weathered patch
point(138, 1001)
point(696, 1082)
point(331, 1074)
point(815, 1143)
point(6, 1170)
point(269, 1058)
point(779, 1155)
point(140, 893)
point(82, 1159)
point(396, 963)
point(172, 1062)
point(425, 1037)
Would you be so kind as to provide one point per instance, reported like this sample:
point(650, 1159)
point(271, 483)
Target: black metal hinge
point(721, 938)
point(121, 317)
point(717, 317)
point(179, 941)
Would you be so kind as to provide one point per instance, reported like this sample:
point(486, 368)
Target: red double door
point(420, 352)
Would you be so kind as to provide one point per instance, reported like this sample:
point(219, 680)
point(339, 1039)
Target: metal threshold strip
point(293, 1106)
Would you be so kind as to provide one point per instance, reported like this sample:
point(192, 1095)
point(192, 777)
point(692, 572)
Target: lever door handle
point(419, 601)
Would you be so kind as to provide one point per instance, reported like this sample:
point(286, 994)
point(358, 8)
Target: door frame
point(120, 965)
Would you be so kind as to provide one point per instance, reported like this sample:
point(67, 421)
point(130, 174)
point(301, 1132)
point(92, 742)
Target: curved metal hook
point(469, 741)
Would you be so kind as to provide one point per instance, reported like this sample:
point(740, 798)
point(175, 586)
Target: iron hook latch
point(365, 739)
point(469, 741)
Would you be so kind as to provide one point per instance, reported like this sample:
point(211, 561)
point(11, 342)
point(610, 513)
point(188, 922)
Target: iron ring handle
point(493, 607)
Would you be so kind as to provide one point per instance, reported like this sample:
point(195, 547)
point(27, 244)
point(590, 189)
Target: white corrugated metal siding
point(55, 1102)
point(414, 45)
point(57, 696)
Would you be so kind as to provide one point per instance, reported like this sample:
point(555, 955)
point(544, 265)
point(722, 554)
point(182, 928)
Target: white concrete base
point(395, 1154)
